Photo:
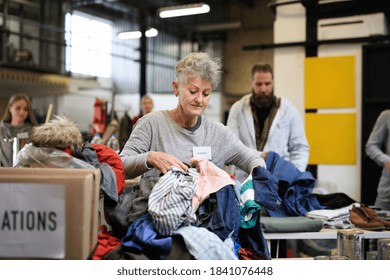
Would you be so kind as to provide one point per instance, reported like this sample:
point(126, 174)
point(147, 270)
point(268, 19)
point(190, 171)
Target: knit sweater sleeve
point(135, 152)
point(240, 155)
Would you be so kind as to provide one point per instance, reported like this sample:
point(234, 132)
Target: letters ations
point(32, 221)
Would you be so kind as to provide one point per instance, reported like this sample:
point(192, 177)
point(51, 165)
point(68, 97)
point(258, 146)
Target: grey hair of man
point(199, 65)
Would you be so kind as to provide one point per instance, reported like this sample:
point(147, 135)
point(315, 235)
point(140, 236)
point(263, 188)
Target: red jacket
point(109, 156)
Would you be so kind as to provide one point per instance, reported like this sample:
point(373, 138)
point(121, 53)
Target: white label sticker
point(204, 152)
point(32, 220)
point(22, 135)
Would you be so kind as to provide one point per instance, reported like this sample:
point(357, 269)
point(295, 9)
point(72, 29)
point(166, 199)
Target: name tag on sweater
point(22, 135)
point(204, 152)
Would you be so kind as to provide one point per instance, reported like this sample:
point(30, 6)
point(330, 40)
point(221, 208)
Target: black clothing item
point(262, 114)
point(125, 129)
point(334, 200)
point(131, 205)
point(262, 120)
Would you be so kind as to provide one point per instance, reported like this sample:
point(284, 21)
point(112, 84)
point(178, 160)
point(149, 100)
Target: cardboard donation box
point(48, 213)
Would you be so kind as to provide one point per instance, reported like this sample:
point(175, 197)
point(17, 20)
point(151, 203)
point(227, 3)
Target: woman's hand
point(163, 162)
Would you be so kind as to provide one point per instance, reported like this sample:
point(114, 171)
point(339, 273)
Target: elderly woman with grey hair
point(166, 146)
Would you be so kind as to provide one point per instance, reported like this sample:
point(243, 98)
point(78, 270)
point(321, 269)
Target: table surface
point(325, 234)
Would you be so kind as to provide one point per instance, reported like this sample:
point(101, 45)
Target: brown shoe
point(372, 213)
point(362, 220)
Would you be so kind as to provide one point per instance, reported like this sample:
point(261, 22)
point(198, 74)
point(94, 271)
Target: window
point(88, 45)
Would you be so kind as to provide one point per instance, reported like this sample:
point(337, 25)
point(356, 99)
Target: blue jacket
point(295, 188)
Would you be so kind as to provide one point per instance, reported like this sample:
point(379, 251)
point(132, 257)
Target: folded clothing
point(290, 224)
point(383, 214)
point(331, 214)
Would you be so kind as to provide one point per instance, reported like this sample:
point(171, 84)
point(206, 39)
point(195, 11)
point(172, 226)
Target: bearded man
point(267, 123)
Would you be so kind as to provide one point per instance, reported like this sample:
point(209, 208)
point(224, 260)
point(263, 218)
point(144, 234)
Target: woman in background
point(17, 122)
point(146, 107)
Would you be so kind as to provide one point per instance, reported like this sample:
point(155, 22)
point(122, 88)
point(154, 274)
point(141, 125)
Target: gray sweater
point(7, 133)
point(158, 132)
point(378, 149)
point(378, 144)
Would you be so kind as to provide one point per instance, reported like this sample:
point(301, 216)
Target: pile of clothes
point(199, 214)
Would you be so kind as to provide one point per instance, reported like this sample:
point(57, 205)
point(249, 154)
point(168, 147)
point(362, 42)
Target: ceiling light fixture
point(152, 32)
point(183, 10)
point(218, 26)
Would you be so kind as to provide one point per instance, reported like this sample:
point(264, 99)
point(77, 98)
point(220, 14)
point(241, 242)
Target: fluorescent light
point(152, 32)
point(218, 26)
point(129, 35)
point(183, 10)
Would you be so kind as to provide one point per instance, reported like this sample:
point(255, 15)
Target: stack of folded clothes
point(334, 218)
point(383, 214)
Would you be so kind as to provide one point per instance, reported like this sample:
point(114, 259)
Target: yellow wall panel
point(330, 82)
point(332, 138)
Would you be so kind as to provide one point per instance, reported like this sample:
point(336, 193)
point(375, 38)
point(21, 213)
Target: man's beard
point(262, 100)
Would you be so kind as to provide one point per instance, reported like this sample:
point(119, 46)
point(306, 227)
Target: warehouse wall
point(256, 28)
point(259, 25)
point(163, 52)
point(289, 82)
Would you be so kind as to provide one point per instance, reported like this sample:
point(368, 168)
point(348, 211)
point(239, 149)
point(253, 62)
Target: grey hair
point(200, 65)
